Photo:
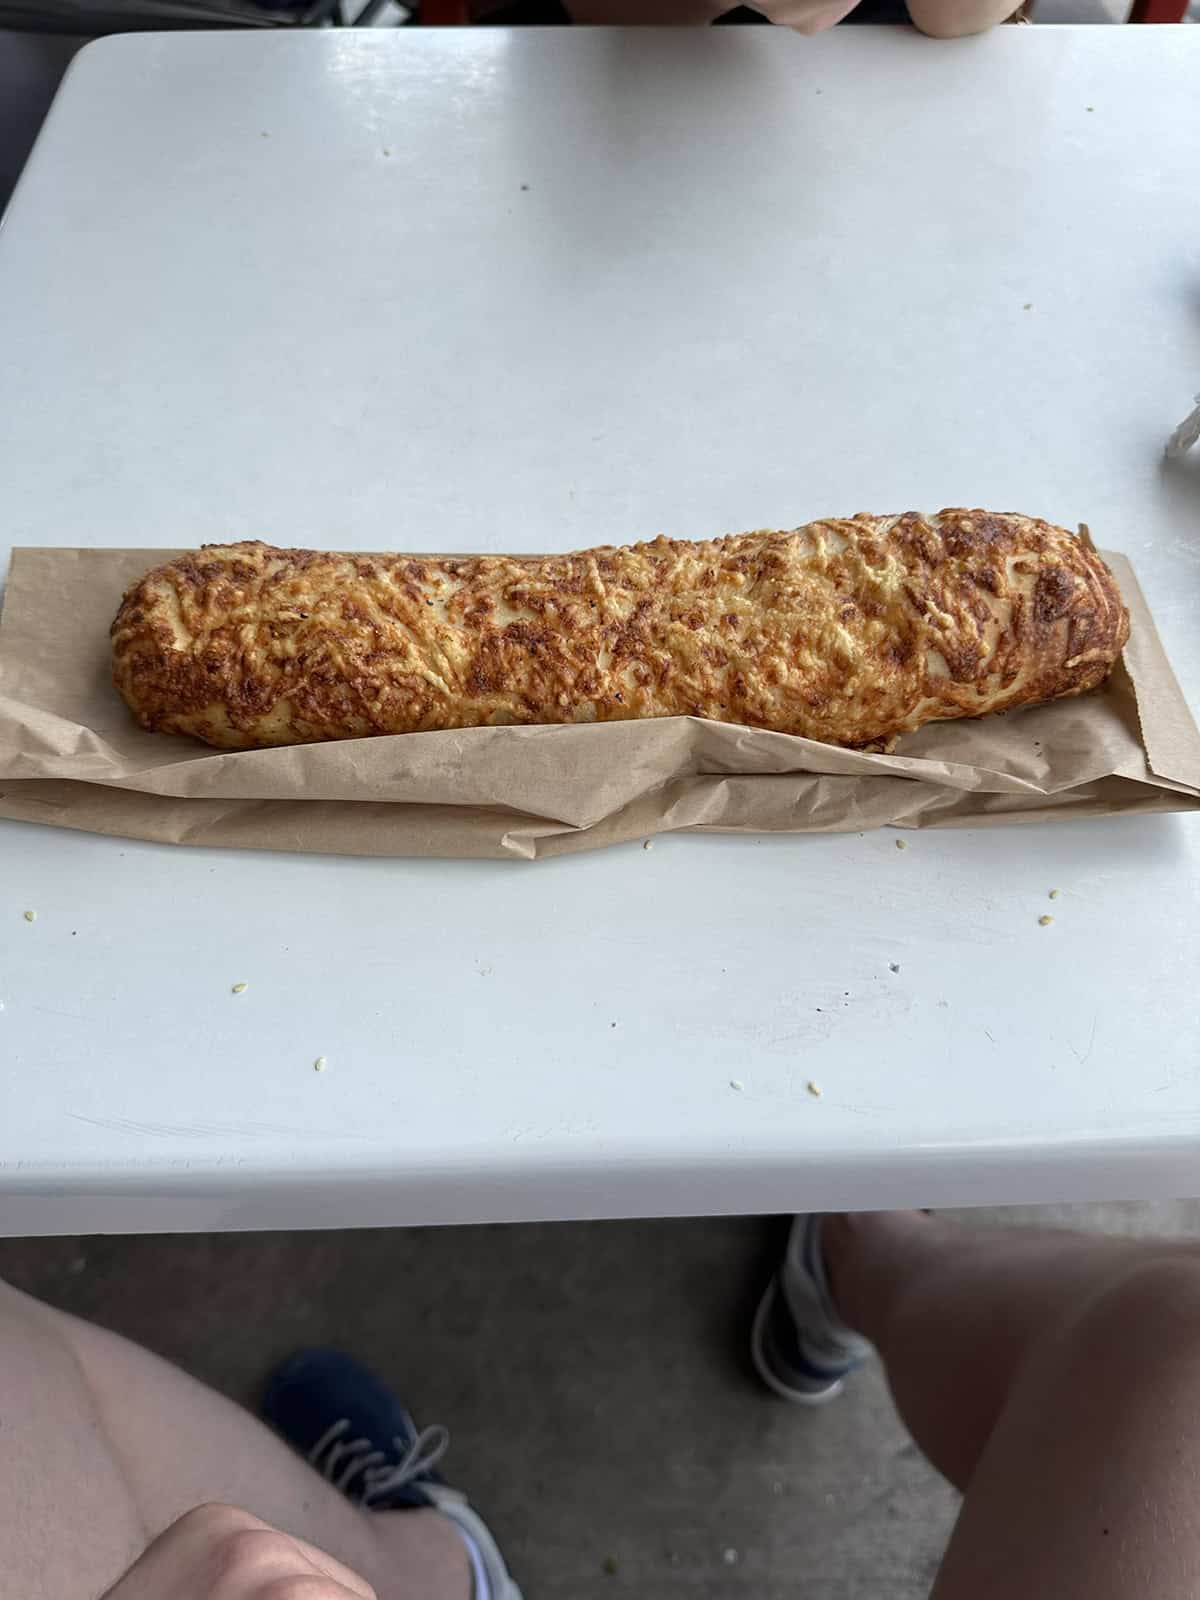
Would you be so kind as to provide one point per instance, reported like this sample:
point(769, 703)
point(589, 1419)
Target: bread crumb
point(1045, 921)
point(240, 988)
point(736, 1083)
point(320, 1063)
point(1054, 894)
point(729, 1556)
point(31, 916)
point(814, 1089)
point(901, 844)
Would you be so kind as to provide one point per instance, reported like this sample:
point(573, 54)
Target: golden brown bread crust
point(849, 630)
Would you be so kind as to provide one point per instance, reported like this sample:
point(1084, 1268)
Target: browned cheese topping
point(850, 631)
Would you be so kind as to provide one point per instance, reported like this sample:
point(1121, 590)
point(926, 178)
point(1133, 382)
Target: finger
point(327, 1566)
point(169, 1561)
point(295, 1585)
point(247, 1552)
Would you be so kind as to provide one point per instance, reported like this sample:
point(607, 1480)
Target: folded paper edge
point(496, 834)
point(1169, 732)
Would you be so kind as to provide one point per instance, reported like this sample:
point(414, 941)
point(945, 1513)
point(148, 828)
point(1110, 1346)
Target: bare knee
point(1149, 1310)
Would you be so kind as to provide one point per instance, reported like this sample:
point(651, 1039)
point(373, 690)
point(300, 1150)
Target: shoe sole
point(797, 1397)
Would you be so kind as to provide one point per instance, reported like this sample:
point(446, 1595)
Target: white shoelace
point(342, 1460)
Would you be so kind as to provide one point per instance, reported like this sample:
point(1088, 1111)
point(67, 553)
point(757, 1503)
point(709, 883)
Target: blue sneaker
point(802, 1349)
point(353, 1430)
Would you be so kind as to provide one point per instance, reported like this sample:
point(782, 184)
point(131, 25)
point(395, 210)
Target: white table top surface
point(295, 286)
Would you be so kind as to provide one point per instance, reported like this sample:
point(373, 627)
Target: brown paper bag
point(71, 755)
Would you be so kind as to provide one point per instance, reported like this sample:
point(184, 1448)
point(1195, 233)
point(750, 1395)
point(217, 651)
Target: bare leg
point(1056, 1379)
point(105, 1445)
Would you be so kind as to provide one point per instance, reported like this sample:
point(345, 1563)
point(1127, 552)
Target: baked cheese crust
point(848, 630)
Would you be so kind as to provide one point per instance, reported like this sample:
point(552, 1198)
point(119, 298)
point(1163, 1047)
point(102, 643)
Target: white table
point(481, 290)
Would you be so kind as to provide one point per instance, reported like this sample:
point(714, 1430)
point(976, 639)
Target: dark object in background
point(81, 17)
point(527, 13)
point(876, 11)
point(542, 13)
point(31, 68)
point(535, 13)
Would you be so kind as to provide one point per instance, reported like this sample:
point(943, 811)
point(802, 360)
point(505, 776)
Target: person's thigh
point(68, 1521)
point(103, 1445)
point(1089, 1485)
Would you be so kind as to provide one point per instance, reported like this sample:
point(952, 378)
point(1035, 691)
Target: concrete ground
point(594, 1379)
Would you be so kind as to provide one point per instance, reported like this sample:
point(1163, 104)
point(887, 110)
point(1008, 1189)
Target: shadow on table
point(609, 142)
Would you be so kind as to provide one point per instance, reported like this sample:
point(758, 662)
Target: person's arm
point(942, 19)
point(950, 19)
point(805, 16)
